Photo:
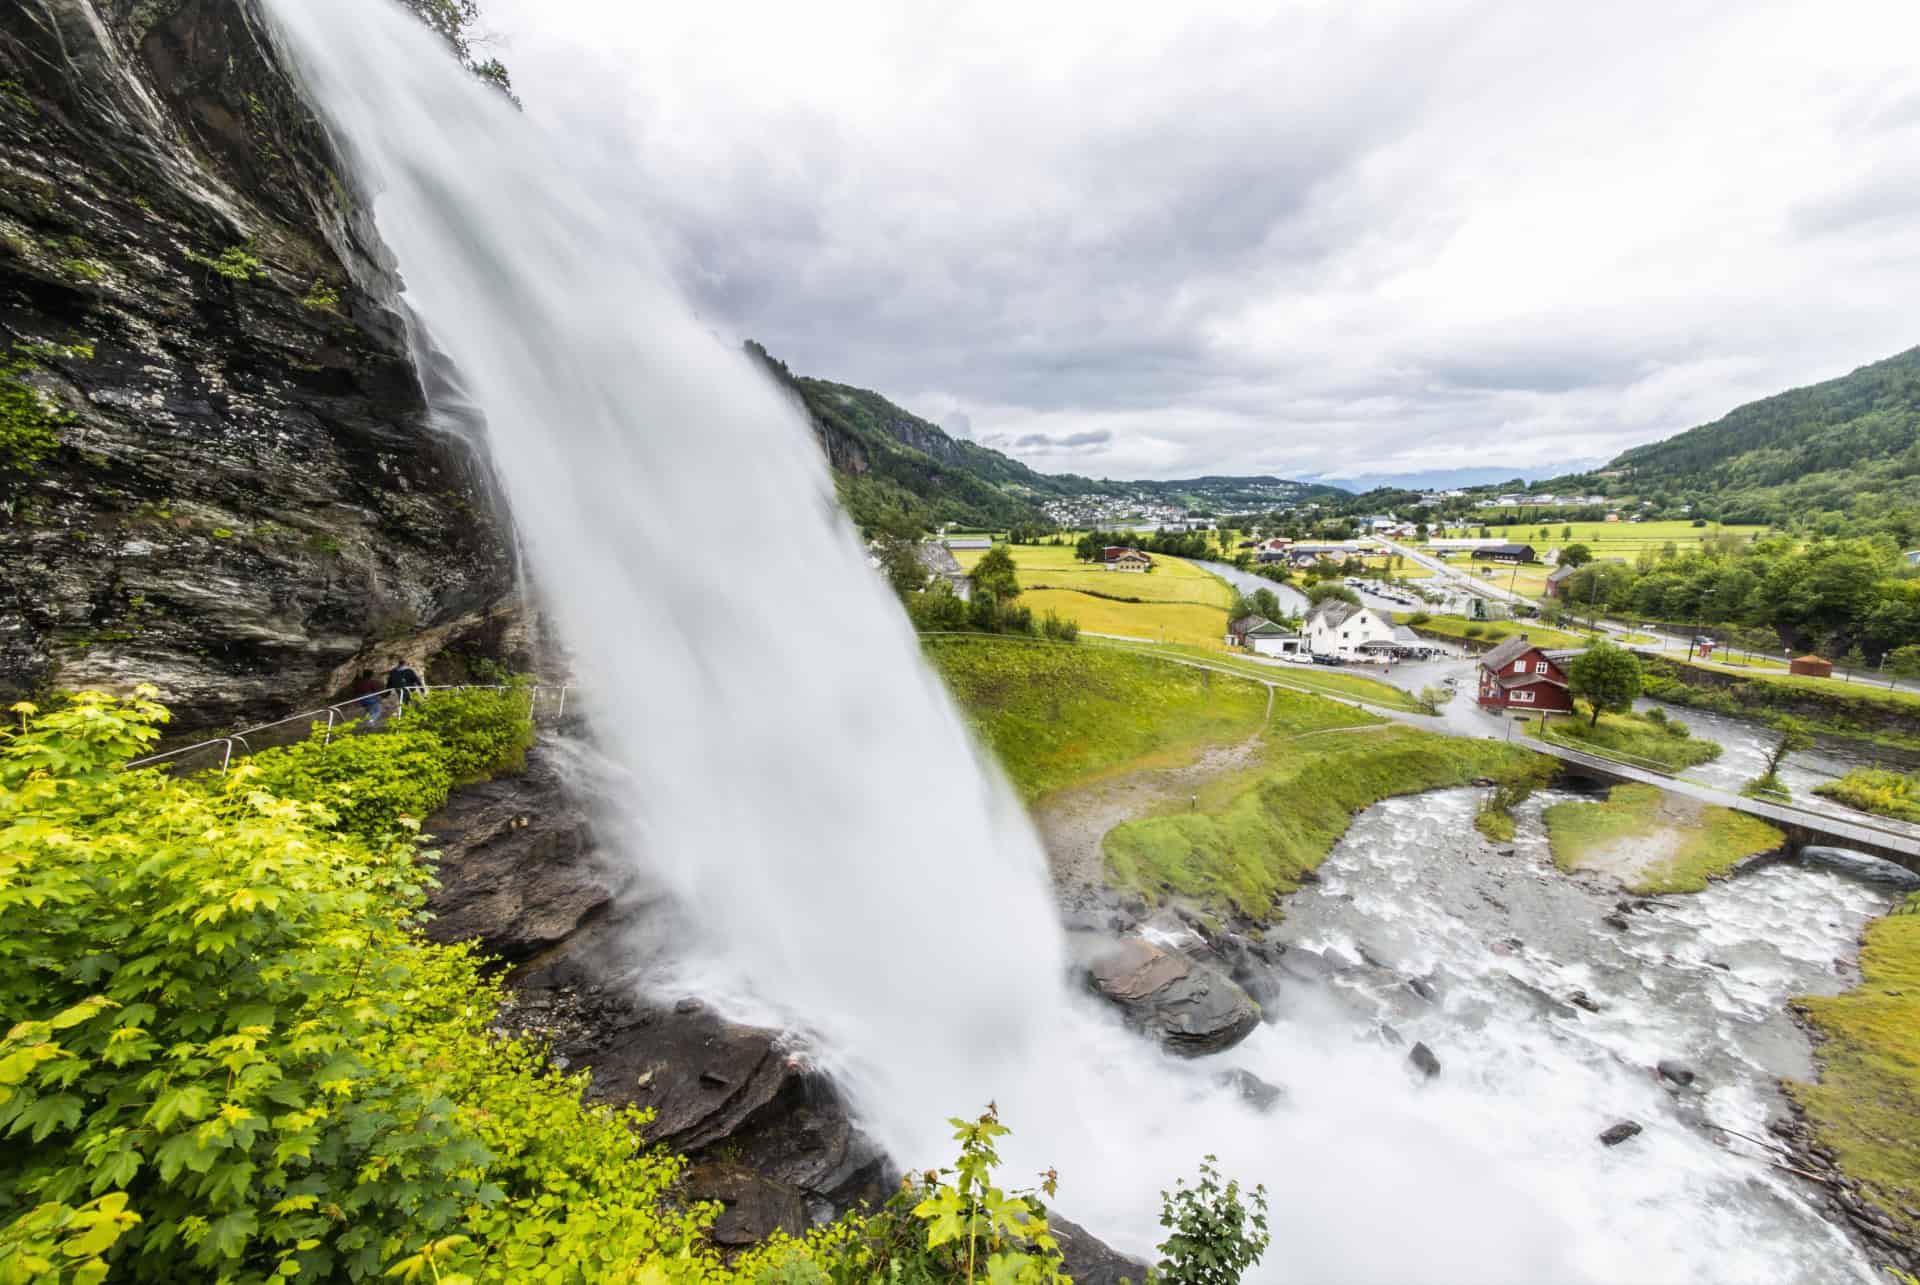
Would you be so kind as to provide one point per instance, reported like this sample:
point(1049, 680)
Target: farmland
point(1177, 602)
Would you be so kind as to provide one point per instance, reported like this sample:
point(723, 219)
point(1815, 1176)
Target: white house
point(1118, 558)
point(1340, 627)
point(1262, 637)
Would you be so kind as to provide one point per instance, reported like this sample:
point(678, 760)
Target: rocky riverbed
point(1619, 1057)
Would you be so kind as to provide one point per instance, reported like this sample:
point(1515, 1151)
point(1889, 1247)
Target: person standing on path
point(404, 679)
point(366, 691)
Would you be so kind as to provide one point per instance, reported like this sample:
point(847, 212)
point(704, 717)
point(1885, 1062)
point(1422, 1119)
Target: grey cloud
point(1330, 239)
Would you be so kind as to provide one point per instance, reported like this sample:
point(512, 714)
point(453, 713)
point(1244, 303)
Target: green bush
point(365, 782)
point(487, 732)
point(230, 1057)
point(1877, 790)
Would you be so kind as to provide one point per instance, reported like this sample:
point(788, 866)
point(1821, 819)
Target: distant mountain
point(1435, 480)
point(1844, 446)
point(894, 469)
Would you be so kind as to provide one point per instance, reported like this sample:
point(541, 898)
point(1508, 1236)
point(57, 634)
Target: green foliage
point(1606, 677)
point(321, 297)
point(900, 563)
point(1215, 1234)
point(86, 269)
point(365, 782)
point(486, 731)
point(1666, 744)
point(236, 263)
point(1878, 790)
point(994, 574)
point(232, 1058)
point(1331, 589)
point(1575, 555)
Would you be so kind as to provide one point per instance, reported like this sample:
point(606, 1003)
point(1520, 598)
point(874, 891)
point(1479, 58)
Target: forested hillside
point(1833, 454)
point(896, 470)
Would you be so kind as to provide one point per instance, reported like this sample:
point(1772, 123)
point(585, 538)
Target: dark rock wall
point(247, 502)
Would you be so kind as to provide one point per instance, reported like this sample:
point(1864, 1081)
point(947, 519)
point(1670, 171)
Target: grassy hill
point(1849, 445)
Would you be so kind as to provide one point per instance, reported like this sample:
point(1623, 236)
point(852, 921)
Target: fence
point(329, 719)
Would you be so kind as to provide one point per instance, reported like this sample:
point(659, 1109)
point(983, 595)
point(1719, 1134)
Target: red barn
point(1519, 675)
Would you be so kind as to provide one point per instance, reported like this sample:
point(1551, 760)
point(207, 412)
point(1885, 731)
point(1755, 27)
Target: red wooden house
point(1519, 675)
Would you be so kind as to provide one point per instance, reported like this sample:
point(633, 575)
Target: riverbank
point(1248, 839)
point(1863, 1107)
point(1654, 842)
point(1850, 711)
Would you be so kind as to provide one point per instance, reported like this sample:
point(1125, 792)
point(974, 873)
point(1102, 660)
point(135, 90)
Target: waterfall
point(802, 786)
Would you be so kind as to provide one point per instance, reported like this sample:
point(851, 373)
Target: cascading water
point(802, 786)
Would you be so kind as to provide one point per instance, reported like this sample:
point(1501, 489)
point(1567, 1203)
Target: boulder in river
point(1188, 1007)
point(1424, 1061)
point(1253, 1090)
point(1861, 866)
point(1675, 1072)
point(1616, 1134)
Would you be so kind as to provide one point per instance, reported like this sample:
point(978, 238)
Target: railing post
point(327, 737)
point(561, 712)
point(228, 756)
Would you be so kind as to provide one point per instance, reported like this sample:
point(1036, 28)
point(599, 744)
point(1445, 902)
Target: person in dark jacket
point(404, 679)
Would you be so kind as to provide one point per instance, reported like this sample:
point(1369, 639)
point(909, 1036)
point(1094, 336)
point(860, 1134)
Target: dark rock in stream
point(1675, 1072)
point(1189, 1008)
point(1253, 1090)
point(1424, 1061)
point(1580, 999)
point(1615, 922)
point(1616, 1134)
point(1860, 866)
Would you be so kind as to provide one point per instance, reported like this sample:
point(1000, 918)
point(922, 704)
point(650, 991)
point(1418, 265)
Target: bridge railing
point(327, 721)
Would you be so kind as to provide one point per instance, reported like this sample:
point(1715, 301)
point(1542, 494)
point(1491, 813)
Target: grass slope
point(1633, 738)
point(1868, 1095)
point(1488, 632)
point(1057, 715)
point(1706, 842)
point(1254, 833)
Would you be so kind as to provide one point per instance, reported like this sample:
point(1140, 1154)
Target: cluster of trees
point(1172, 544)
point(1830, 596)
point(990, 608)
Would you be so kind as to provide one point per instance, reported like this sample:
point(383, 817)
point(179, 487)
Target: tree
point(900, 561)
point(1904, 662)
point(1794, 736)
point(1566, 533)
point(994, 574)
point(1607, 678)
point(1331, 589)
point(1576, 555)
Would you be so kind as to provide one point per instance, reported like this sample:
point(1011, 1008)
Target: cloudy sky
point(1309, 238)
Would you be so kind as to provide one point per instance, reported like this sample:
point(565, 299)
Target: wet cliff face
point(216, 468)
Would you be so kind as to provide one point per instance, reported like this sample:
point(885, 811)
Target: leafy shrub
point(1473, 631)
point(29, 426)
point(365, 782)
point(232, 1058)
point(1419, 618)
point(487, 732)
point(1216, 1235)
point(1877, 790)
point(236, 263)
point(1051, 626)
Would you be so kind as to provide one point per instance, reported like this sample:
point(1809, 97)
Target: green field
point(1253, 833)
point(1693, 841)
point(1614, 539)
point(1868, 1096)
point(1179, 602)
point(1057, 715)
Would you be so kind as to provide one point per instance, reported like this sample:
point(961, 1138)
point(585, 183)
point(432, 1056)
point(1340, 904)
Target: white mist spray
point(807, 793)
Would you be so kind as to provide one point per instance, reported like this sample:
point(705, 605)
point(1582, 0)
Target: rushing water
point(801, 785)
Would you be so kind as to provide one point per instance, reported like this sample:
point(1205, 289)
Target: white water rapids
point(802, 785)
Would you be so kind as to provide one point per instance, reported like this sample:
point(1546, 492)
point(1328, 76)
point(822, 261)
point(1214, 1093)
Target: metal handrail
point(333, 714)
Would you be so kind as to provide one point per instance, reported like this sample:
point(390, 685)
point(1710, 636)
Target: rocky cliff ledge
point(770, 1136)
point(217, 472)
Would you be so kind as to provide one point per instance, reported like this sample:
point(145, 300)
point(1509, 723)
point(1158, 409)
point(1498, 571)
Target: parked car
point(1327, 658)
